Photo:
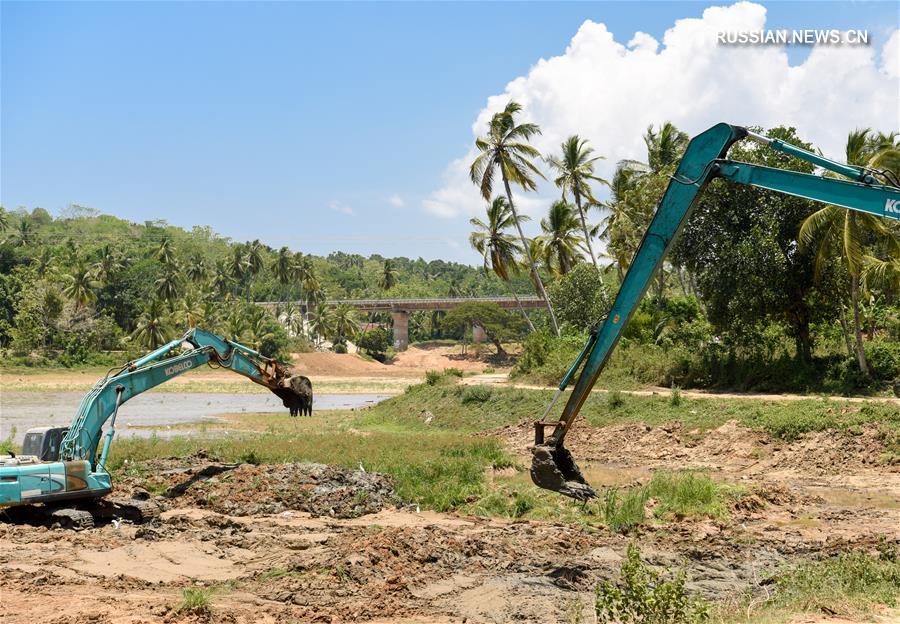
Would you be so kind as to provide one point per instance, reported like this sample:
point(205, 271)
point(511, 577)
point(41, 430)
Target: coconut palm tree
point(197, 271)
point(108, 264)
point(222, 281)
point(505, 147)
point(237, 265)
point(168, 285)
point(498, 248)
point(81, 284)
point(664, 146)
point(834, 231)
point(388, 277)
point(24, 233)
point(152, 329)
point(255, 261)
point(190, 311)
point(560, 243)
point(576, 172)
point(165, 253)
point(283, 269)
point(320, 322)
point(344, 323)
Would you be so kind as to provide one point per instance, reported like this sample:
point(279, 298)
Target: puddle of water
point(20, 411)
point(854, 499)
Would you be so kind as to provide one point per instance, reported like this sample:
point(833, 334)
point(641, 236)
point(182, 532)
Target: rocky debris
point(317, 489)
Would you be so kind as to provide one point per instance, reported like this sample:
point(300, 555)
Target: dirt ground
point(311, 543)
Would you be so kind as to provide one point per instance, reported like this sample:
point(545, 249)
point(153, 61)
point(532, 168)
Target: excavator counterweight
point(705, 158)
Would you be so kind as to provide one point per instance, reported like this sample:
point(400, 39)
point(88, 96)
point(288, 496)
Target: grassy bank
point(455, 407)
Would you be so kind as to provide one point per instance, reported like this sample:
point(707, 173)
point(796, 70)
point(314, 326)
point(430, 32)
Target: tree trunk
point(860, 352)
point(587, 235)
point(534, 272)
point(519, 305)
point(846, 332)
point(660, 285)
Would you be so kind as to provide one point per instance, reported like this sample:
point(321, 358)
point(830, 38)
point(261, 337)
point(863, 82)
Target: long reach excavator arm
point(704, 159)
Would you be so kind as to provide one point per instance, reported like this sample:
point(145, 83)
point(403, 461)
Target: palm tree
point(24, 233)
point(283, 269)
point(190, 312)
point(197, 270)
point(168, 286)
point(506, 148)
point(237, 265)
point(834, 231)
point(560, 243)
point(222, 281)
point(665, 146)
point(388, 277)
point(108, 265)
point(165, 253)
point(320, 322)
point(254, 258)
point(498, 248)
point(81, 285)
point(344, 324)
point(152, 329)
point(576, 171)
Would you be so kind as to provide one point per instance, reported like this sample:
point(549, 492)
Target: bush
point(476, 394)
point(432, 377)
point(375, 342)
point(884, 360)
point(643, 596)
point(580, 298)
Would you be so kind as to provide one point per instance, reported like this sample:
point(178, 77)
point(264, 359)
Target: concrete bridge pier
point(401, 329)
point(478, 334)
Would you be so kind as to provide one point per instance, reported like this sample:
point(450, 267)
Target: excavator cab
point(43, 442)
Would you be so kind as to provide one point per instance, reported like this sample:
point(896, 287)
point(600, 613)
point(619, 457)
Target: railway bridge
point(400, 309)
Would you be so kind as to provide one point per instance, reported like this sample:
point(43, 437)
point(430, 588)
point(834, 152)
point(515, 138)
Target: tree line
point(759, 265)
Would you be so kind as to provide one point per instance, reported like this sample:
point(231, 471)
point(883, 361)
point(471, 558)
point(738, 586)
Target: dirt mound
point(312, 364)
point(254, 490)
point(730, 447)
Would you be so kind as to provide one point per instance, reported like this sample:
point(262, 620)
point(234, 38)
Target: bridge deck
point(408, 305)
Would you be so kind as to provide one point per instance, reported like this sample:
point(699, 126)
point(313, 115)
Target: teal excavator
point(64, 469)
point(858, 188)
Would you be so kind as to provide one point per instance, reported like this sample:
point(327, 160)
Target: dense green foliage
point(499, 325)
point(74, 287)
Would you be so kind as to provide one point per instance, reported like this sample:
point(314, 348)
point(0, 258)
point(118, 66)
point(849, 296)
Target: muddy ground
point(310, 543)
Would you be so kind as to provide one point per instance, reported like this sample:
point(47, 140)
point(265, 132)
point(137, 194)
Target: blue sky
point(317, 126)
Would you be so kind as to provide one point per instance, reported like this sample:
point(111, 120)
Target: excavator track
point(136, 510)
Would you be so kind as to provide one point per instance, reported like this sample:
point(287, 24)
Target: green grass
point(438, 470)
point(480, 408)
point(196, 599)
point(690, 493)
point(849, 585)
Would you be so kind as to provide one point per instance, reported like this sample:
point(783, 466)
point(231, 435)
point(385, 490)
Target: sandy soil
point(309, 543)
point(330, 372)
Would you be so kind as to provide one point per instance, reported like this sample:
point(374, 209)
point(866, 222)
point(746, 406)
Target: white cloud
point(340, 207)
point(396, 201)
point(609, 93)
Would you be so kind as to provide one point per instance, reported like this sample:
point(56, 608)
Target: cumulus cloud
point(340, 207)
point(396, 201)
point(610, 92)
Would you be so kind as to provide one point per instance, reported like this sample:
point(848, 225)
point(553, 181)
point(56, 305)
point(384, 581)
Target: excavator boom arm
point(704, 159)
point(157, 367)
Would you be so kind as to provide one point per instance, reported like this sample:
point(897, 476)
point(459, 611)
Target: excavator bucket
point(296, 394)
point(553, 468)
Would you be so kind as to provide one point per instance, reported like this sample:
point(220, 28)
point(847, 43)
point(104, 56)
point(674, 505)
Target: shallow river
point(20, 411)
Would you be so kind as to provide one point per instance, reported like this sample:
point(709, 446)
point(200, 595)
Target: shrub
point(476, 394)
point(884, 359)
point(675, 398)
point(250, 457)
point(453, 372)
point(375, 342)
point(643, 596)
point(432, 377)
point(614, 399)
